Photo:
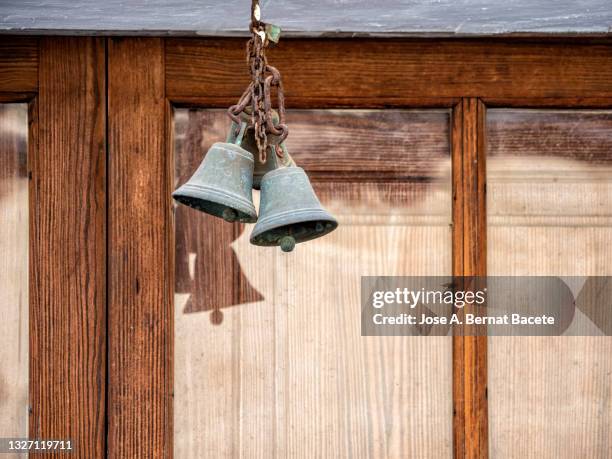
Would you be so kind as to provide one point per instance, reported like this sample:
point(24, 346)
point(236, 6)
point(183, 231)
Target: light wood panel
point(140, 263)
point(14, 292)
point(368, 144)
point(581, 135)
point(550, 191)
point(289, 374)
point(67, 157)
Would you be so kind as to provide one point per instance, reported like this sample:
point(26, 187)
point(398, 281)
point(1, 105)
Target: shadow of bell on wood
point(206, 265)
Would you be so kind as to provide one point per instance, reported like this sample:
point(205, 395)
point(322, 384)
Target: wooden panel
point(68, 246)
point(287, 373)
point(581, 135)
point(550, 213)
point(140, 315)
point(18, 64)
point(470, 422)
point(369, 144)
point(359, 72)
point(550, 102)
point(14, 293)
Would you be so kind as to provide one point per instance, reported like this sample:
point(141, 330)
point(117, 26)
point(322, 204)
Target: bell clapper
point(287, 243)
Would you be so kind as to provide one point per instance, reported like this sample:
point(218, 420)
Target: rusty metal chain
point(258, 94)
point(256, 56)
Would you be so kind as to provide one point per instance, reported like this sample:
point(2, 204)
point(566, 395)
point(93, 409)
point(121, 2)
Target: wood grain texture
point(304, 101)
point(367, 145)
point(548, 102)
point(340, 144)
point(581, 135)
point(67, 157)
point(140, 315)
point(549, 180)
point(354, 71)
point(288, 374)
point(18, 64)
point(14, 292)
point(470, 417)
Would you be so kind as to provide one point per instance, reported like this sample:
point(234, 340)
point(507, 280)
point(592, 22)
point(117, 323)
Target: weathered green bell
point(289, 210)
point(273, 160)
point(222, 184)
point(248, 142)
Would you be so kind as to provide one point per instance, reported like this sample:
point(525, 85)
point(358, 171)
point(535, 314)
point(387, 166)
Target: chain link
point(264, 77)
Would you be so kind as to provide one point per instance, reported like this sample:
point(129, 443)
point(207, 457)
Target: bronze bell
point(222, 184)
point(289, 210)
point(248, 142)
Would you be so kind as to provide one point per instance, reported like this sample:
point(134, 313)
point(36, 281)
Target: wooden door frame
point(63, 82)
point(118, 225)
point(141, 328)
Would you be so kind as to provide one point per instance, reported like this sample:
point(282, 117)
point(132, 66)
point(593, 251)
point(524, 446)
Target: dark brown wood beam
point(363, 71)
point(67, 160)
point(140, 253)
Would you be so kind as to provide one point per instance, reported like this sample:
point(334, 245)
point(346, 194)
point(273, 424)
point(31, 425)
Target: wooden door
point(154, 331)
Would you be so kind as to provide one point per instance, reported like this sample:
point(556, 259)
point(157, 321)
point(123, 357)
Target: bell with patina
point(222, 184)
point(273, 161)
point(289, 211)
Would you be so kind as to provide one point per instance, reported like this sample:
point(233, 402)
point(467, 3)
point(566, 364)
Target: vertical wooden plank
point(140, 314)
point(68, 246)
point(470, 421)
